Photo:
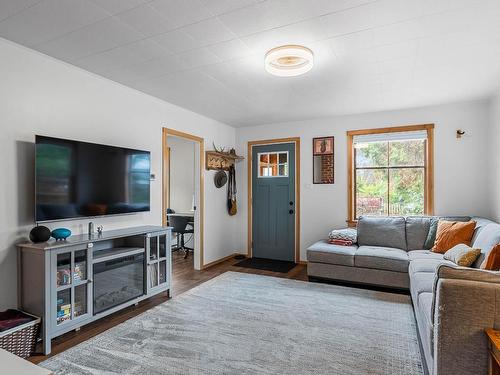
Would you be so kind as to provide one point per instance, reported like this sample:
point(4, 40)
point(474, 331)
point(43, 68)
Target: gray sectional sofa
point(453, 305)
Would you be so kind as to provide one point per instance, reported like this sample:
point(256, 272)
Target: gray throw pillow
point(431, 235)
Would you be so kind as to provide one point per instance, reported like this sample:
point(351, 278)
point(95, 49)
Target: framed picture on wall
point(323, 160)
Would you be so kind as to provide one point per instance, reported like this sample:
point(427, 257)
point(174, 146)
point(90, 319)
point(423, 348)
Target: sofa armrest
point(466, 273)
point(465, 303)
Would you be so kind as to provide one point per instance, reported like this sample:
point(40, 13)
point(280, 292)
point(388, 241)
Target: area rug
point(249, 324)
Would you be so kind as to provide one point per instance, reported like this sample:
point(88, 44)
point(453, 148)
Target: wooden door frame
point(166, 132)
point(296, 141)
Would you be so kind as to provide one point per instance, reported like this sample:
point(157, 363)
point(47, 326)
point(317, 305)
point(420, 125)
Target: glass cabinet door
point(72, 285)
point(159, 258)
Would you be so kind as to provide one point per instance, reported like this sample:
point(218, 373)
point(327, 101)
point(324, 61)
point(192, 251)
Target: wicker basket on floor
point(21, 340)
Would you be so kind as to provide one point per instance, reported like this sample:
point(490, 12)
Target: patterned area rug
point(248, 324)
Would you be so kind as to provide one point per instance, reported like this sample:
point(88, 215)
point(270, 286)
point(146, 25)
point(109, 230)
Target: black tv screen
point(79, 179)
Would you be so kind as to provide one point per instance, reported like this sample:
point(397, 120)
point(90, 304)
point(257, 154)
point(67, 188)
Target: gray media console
point(86, 277)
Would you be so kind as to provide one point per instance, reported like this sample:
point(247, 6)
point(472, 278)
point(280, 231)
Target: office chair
point(169, 211)
point(179, 226)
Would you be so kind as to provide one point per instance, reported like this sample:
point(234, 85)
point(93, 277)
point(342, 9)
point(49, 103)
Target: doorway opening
point(183, 188)
point(274, 199)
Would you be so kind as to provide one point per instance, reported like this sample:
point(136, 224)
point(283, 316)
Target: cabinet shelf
point(63, 287)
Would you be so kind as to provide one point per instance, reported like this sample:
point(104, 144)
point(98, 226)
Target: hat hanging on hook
point(220, 179)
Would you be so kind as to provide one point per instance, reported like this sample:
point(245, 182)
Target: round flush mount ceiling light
point(289, 60)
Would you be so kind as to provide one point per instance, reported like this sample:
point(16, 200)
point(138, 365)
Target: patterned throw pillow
point(347, 234)
point(451, 233)
point(462, 255)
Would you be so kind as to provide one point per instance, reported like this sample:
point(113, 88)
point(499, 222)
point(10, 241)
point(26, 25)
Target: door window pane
point(273, 164)
point(371, 192)
point(283, 170)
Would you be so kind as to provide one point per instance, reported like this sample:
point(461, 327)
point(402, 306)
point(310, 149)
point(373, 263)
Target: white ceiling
point(207, 55)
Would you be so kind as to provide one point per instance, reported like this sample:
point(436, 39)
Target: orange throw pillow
point(452, 233)
point(492, 261)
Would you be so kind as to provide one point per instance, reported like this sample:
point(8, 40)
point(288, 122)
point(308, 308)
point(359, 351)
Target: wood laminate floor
point(184, 277)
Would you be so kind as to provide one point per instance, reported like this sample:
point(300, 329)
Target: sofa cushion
point(421, 282)
point(424, 254)
point(424, 309)
point(426, 265)
point(488, 236)
point(417, 228)
point(382, 258)
point(481, 222)
point(323, 252)
point(382, 231)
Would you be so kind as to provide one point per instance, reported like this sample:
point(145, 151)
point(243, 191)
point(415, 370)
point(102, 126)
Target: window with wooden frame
point(390, 171)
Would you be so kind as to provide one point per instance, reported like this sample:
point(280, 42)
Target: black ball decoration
point(40, 234)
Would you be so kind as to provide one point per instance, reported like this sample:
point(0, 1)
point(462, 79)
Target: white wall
point(181, 174)
point(41, 95)
point(494, 156)
point(460, 180)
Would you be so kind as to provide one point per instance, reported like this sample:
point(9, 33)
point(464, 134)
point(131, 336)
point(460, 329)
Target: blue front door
point(273, 201)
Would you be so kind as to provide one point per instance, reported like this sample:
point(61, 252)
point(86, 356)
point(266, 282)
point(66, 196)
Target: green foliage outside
point(385, 191)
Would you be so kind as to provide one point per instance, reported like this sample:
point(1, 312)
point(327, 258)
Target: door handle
point(291, 203)
point(290, 212)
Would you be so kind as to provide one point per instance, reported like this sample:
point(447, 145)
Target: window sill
point(352, 223)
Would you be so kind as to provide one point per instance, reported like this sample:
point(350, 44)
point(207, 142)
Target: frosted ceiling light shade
point(289, 61)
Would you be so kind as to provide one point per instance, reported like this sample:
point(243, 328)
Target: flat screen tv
point(79, 179)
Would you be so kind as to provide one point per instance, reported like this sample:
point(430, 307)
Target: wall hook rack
point(218, 160)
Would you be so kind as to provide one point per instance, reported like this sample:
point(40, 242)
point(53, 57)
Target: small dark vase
point(40, 234)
